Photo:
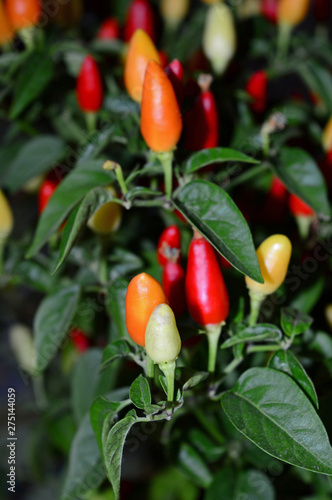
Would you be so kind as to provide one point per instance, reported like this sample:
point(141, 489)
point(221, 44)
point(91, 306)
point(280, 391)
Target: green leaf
point(294, 322)
point(301, 175)
point(52, 322)
point(308, 295)
point(86, 469)
point(34, 158)
point(257, 333)
point(78, 219)
point(115, 305)
point(193, 466)
point(86, 176)
point(140, 392)
point(319, 81)
point(214, 214)
point(286, 362)
point(118, 349)
point(113, 450)
point(33, 77)
point(270, 409)
point(195, 380)
point(216, 155)
point(210, 451)
point(248, 485)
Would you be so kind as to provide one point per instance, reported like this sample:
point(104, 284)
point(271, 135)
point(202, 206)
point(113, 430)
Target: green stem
point(232, 365)
point(266, 144)
point(149, 367)
point(285, 31)
point(91, 121)
point(39, 391)
point(256, 300)
point(112, 165)
point(213, 334)
point(208, 426)
point(169, 371)
point(263, 348)
point(246, 176)
point(303, 224)
point(166, 159)
point(27, 35)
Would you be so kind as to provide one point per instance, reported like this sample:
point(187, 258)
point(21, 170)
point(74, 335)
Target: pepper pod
point(257, 89)
point(161, 122)
point(304, 215)
point(274, 208)
point(23, 16)
point(6, 224)
point(79, 340)
point(173, 12)
point(6, 31)
point(219, 37)
point(270, 10)
point(174, 71)
point(201, 123)
point(109, 30)
point(173, 280)
point(141, 50)
point(69, 14)
point(169, 245)
point(107, 219)
point(206, 293)
point(46, 191)
point(89, 91)
point(273, 257)
point(163, 343)
point(290, 13)
point(140, 16)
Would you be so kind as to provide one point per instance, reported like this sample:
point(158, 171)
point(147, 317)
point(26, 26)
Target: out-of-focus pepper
point(46, 191)
point(141, 50)
point(108, 218)
point(23, 13)
point(173, 281)
point(270, 10)
point(6, 218)
point(174, 11)
point(21, 343)
point(140, 15)
point(89, 90)
point(257, 89)
point(274, 208)
point(109, 30)
point(219, 37)
point(304, 215)
point(69, 13)
point(174, 71)
point(292, 12)
point(169, 245)
point(79, 340)
point(6, 32)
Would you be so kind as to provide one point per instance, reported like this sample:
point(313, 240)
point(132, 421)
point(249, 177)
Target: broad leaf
point(52, 322)
point(195, 380)
point(214, 214)
point(301, 175)
point(286, 362)
point(140, 392)
point(319, 81)
point(86, 176)
point(215, 155)
point(270, 409)
point(115, 305)
point(257, 333)
point(294, 322)
point(193, 466)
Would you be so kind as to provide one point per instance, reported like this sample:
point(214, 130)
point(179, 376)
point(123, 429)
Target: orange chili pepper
point(292, 12)
point(23, 13)
point(161, 122)
point(141, 50)
point(6, 33)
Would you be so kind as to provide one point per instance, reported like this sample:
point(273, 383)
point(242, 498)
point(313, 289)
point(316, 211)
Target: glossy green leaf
point(140, 392)
point(115, 305)
point(214, 214)
point(208, 449)
point(301, 175)
point(308, 295)
point(195, 380)
point(286, 362)
point(78, 219)
point(86, 470)
point(193, 466)
point(257, 333)
point(86, 176)
point(34, 158)
point(271, 410)
point(118, 349)
point(216, 155)
point(34, 76)
point(294, 322)
point(52, 322)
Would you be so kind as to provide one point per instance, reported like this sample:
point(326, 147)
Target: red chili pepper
point(169, 245)
point(46, 190)
point(299, 207)
point(201, 121)
point(163, 58)
point(174, 71)
point(173, 282)
point(140, 15)
point(275, 204)
point(223, 262)
point(257, 89)
point(23, 13)
point(206, 293)
point(322, 10)
point(270, 10)
point(109, 30)
point(89, 89)
point(79, 339)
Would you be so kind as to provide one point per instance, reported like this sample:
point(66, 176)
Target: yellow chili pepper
point(173, 11)
point(108, 218)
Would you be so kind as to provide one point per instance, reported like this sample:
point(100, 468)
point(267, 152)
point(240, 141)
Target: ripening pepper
point(144, 293)
point(6, 32)
point(109, 30)
point(201, 124)
point(6, 219)
point(163, 56)
point(322, 10)
point(173, 281)
point(79, 340)
point(140, 16)
point(304, 215)
point(292, 12)
point(162, 338)
point(219, 37)
point(89, 88)
point(21, 343)
point(270, 10)
point(174, 71)
point(248, 8)
point(274, 207)
point(161, 122)
point(46, 191)
point(169, 245)
point(174, 11)
point(327, 136)
point(23, 13)
point(257, 89)
point(107, 219)
point(141, 50)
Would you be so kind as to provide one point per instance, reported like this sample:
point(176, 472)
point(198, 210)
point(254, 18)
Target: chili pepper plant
point(165, 248)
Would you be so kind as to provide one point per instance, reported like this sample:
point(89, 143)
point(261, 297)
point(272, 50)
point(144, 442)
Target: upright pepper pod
point(206, 293)
point(144, 293)
point(46, 191)
point(141, 50)
point(89, 90)
point(219, 37)
point(174, 11)
point(109, 30)
point(270, 10)
point(304, 215)
point(174, 71)
point(140, 16)
point(108, 218)
point(257, 89)
point(290, 14)
point(23, 13)
point(169, 245)
point(273, 256)
point(6, 32)
point(201, 123)
point(173, 281)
